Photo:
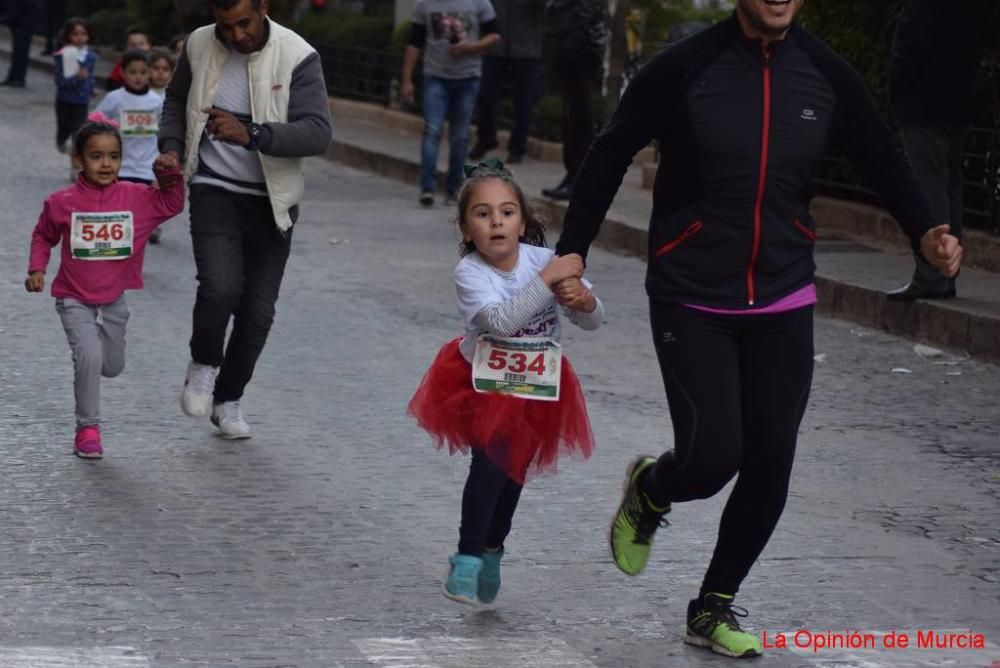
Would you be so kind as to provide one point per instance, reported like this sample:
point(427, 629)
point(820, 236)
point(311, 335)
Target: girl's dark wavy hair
point(71, 25)
point(92, 129)
point(534, 222)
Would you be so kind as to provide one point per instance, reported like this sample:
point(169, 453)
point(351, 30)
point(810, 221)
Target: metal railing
point(360, 74)
point(835, 177)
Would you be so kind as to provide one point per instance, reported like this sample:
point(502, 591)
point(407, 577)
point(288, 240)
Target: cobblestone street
point(322, 541)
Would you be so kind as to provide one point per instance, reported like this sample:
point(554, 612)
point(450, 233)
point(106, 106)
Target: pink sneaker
point(88, 443)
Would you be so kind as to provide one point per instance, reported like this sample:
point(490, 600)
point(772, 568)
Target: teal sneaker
point(711, 623)
point(636, 521)
point(463, 578)
point(489, 576)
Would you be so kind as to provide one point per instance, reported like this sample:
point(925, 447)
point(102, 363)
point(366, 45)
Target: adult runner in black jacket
point(741, 112)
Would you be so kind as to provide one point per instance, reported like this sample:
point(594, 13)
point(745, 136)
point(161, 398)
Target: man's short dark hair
point(229, 4)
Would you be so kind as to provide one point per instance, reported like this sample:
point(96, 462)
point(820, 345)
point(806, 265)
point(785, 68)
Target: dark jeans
point(936, 156)
point(21, 33)
point(69, 118)
point(524, 73)
point(576, 85)
point(737, 387)
point(488, 504)
point(240, 255)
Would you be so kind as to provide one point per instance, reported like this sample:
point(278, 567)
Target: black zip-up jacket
point(740, 128)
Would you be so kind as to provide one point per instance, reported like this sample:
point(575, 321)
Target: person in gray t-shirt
point(453, 35)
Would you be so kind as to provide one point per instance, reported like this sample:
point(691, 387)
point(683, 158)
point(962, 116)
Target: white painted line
point(72, 657)
point(452, 652)
point(394, 652)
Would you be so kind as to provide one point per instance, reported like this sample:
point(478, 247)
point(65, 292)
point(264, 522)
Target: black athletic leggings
point(488, 504)
point(737, 386)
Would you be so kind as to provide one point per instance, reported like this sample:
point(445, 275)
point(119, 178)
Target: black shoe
point(480, 149)
point(563, 191)
point(12, 84)
point(911, 292)
point(515, 158)
point(427, 198)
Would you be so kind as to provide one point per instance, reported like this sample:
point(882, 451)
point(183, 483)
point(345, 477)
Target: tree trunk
point(617, 54)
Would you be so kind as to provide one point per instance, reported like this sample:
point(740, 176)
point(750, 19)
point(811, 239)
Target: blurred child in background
point(135, 40)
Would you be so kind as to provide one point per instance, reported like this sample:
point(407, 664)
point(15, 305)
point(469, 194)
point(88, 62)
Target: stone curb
point(398, 119)
point(871, 223)
point(928, 322)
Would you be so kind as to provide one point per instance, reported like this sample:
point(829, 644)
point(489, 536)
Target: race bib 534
point(525, 366)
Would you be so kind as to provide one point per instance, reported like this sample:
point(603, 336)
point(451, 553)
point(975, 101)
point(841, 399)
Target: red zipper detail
point(759, 204)
point(805, 230)
point(692, 229)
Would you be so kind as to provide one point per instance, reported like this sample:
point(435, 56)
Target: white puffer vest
point(270, 77)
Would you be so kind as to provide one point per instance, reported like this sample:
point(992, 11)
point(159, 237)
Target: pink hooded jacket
point(101, 282)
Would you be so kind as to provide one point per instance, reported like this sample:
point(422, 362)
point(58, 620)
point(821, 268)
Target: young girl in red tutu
point(504, 390)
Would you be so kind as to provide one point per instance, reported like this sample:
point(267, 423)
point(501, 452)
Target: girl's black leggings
point(488, 504)
point(737, 387)
point(69, 118)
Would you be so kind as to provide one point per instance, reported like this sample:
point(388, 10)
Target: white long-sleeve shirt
point(514, 303)
point(139, 149)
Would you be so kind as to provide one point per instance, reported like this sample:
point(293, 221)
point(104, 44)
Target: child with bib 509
point(103, 224)
point(504, 390)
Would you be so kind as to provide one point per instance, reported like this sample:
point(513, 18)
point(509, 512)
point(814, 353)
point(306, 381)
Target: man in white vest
point(246, 104)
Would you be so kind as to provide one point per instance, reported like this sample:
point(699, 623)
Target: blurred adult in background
point(55, 15)
point(575, 37)
point(19, 16)
point(452, 35)
point(932, 88)
point(516, 58)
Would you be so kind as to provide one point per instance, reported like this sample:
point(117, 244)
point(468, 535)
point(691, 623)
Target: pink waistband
point(805, 296)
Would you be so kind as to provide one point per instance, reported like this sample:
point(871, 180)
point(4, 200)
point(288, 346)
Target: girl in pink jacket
point(103, 224)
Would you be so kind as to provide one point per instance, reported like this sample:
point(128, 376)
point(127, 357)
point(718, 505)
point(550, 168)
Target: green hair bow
point(491, 165)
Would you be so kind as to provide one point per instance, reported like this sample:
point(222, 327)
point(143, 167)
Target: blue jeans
point(453, 100)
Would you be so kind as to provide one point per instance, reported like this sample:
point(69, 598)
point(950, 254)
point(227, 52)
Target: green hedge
point(662, 15)
point(347, 29)
point(860, 31)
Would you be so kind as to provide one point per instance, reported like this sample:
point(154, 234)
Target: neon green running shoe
point(635, 522)
point(712, 623)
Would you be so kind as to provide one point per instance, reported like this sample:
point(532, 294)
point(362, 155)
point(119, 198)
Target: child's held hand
point(573, 294)
point(82, 73)
point(562, 267)
point(167, 169)
point(35, 282)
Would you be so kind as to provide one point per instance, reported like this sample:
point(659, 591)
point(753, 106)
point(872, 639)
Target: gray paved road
point(322, 541)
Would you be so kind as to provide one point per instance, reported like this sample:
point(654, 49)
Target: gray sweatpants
point(96, 336)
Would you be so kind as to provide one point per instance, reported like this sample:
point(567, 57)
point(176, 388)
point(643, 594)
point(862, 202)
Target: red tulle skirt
point(521, 436)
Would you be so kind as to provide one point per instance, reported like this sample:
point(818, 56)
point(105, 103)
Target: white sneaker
point(228, 418)
point(199, 383)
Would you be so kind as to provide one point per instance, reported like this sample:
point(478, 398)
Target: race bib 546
point(102, 236)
